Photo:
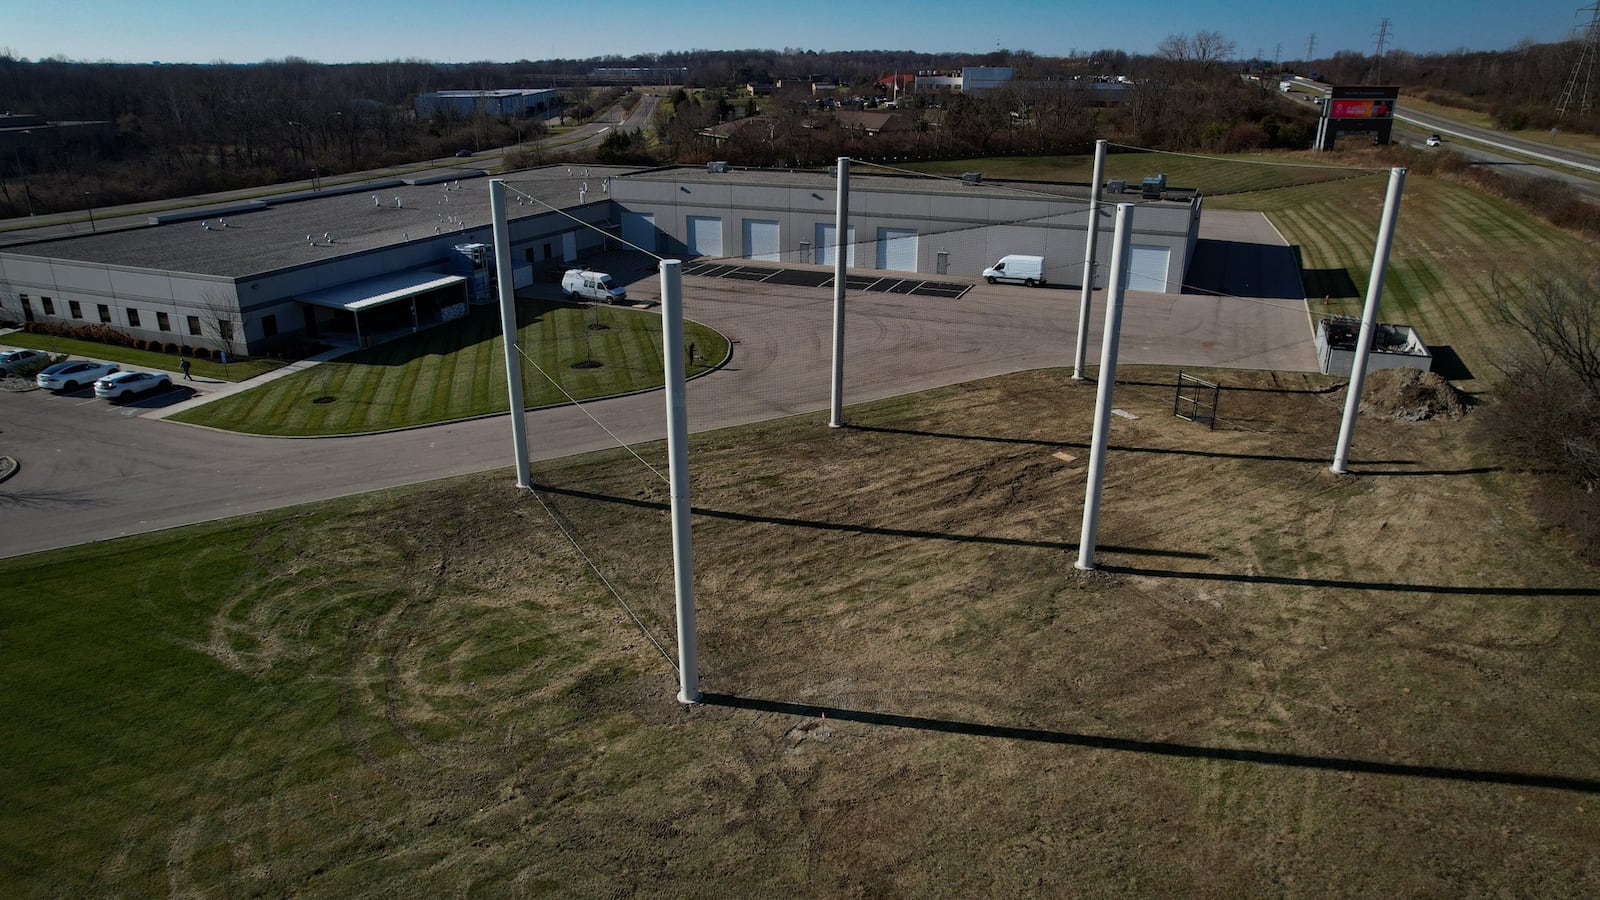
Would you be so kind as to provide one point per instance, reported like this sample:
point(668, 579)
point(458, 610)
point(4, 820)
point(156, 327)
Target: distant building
point(970, 80)
point(506, 102)
point(640, 74)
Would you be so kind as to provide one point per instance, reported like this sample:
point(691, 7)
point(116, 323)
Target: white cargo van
point(1028, 270)
point(595, 286)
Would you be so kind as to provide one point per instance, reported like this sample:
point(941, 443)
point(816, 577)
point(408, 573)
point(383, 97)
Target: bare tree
point(219, 321)
point(1549, 412)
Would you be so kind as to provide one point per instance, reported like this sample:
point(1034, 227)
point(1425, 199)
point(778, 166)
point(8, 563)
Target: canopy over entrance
point(363, 295)
point(386, 306)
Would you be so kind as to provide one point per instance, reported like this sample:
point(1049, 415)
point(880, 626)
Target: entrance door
point(828, 245)
point(761, 240)
point(897, 249)
point(639, 229)
point(705, 236)
point(1147, 268)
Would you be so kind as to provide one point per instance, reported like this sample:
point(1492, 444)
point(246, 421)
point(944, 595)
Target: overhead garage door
point(705, 236)
point(826, 245)
point(639, 229)
point(897, 249)
point(1147, 268)
point(761, 239)
point(569, 246)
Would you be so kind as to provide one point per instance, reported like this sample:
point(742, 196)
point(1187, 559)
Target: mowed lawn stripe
point(458, 370)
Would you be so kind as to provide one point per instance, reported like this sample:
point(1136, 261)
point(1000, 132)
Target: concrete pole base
point(1083, 568)
point(687, 700)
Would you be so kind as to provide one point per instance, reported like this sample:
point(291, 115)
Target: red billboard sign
point(1360, 109)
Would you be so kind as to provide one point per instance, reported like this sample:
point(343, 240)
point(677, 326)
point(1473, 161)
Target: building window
point(105, 313)
point(194, 324)
point(269, 326)
point(162, 322)
point(75, 308)
point(133, 317)
point(225, 329)
point(49, 306)
point(27, 307)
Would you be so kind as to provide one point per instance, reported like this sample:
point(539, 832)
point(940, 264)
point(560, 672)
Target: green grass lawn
point(458, 370)
point(1450, 243)
point(130, 358)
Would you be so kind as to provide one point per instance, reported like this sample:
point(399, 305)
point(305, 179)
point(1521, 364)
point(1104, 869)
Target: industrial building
point(508, 102)
point(900, 223)
point(372, 261)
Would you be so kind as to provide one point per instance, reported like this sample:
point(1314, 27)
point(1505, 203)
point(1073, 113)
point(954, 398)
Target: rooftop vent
point(972, 178)
point(717, 167)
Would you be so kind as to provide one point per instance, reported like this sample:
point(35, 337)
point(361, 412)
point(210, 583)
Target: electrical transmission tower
point(1382, 38)
point(1311, 47)
point(1581, 81)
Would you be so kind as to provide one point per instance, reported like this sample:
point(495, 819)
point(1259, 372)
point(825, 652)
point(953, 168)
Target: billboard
point(1360, 101)
point(1360, 109)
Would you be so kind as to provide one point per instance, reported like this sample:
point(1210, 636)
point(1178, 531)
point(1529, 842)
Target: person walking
point(184, 367)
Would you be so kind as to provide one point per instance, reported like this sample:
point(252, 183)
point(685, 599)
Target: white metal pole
point(1369, 320)
point(1091, 240)
point(508, 326)
point(1107, 375)
point(841, 253)
point(678, 476)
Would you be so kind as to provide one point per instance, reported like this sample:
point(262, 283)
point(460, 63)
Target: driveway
point(89, 472)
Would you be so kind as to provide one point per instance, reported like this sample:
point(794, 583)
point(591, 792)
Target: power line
point(1581, 82)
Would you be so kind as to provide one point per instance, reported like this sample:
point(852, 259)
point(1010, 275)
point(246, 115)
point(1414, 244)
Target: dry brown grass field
point(1278, 681)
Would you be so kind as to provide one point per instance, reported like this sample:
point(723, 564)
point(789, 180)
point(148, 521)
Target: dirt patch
point(1412, 395)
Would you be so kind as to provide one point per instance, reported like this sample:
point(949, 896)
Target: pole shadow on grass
point(1158, 748)
point(853, 528)
point(1078, 445)
point(1473, 590)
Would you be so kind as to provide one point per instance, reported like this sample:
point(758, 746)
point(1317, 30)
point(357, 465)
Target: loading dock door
point(1147, 268)
point(761, 240)
point(639, 229)
point(569, 246)
point(826, 241)
point(705, 236)
point(897, 249)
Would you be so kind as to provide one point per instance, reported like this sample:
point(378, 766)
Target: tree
point(1548, 418)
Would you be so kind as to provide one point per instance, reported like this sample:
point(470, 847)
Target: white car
point(13, 360)
point(123, 385)
point(1434, 140)
point(73, 374)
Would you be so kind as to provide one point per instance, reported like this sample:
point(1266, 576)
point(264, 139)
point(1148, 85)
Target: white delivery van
point(1028, 270)
point(595, 286)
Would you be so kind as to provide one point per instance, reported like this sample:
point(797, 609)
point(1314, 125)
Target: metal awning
point(363, 295)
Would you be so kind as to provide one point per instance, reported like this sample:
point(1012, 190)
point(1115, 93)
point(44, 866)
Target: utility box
point(1154, 185)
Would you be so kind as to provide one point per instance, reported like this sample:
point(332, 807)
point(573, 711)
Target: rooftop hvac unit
point(719, 167)
point(1154, 185)
point(972, 178)
point(1116, 186)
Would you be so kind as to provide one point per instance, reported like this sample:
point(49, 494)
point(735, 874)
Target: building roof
point(864, 176)
point(275, 236)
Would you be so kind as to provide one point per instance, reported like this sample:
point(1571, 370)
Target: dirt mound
point(1412, 395)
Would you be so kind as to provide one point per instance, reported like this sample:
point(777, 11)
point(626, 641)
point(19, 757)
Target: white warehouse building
point(377, 260)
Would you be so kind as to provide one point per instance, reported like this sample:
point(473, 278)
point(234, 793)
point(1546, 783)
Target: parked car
point(463, 154)
point(73, 374)
point(122, 385)
point(17, 360)
point(1434, 140)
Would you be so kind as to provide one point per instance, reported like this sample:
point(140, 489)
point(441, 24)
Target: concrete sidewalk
point(209, 389)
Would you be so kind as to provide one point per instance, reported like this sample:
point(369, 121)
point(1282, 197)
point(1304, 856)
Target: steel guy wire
point(573, 540)
point(581, 408)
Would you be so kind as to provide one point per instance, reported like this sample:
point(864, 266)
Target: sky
point(336, 31)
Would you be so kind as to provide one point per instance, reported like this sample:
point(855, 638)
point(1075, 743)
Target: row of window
point(163, 320)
